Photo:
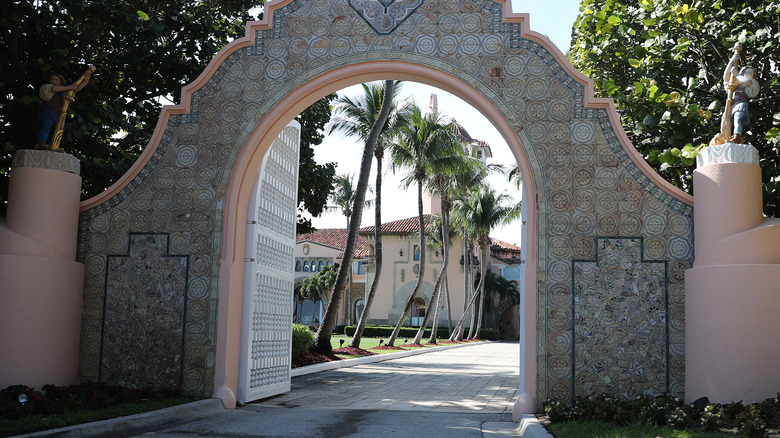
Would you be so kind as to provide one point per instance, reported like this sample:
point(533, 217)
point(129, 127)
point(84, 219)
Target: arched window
point(416, 253)
point(298, 266)
point(305, 266)
point(322, 264)
point(313, 266)
point(419, 305)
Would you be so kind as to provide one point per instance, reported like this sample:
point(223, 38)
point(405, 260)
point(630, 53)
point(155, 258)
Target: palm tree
point(343, 198)
point(427, 146)
point(355, 118)
point(443, 183)
point(343, 195)
point(508, 294)
point(514, 176)
point(460, 192)
point(319, 286)
point(484, 210)
point(323, 335)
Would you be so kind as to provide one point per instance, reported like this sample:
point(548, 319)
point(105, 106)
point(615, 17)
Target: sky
point(552, 18)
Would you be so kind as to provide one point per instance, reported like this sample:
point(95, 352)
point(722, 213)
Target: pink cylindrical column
point(41, 284)
point(731, 296)
point(43, 204)
point(728, 201)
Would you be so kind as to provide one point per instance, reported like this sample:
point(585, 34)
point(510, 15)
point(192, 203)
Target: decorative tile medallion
point(384, 16)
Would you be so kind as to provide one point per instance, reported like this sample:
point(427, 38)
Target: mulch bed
point(312, 358)
point(386, 347)
point(353, 351)
point(415, 345)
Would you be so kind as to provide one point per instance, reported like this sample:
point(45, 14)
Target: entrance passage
point(479, 378)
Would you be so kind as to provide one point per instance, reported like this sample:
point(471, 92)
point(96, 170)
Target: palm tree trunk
point(482, 287)
point(421, 274)
point(435, 325)
point(433, 306)
point(325, 331)
point(449, 305)
point(477, 319)
point(457, 335)
point(355, 341)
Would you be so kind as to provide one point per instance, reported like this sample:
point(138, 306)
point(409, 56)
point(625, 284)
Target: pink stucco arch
point(641, 215)
point(250, 160)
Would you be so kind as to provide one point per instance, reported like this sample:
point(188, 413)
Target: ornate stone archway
point(608, 240)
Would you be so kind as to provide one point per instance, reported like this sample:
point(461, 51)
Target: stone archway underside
point(611, 244)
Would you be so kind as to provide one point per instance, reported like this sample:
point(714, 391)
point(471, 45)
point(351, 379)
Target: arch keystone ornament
point(384, 16)
point(584, 184)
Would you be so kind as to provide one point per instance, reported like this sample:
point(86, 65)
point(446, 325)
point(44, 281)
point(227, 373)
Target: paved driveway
point(474, 378)
point(464, 392)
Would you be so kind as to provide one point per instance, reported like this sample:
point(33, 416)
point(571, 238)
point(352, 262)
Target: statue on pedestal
point(741, 86)
point(56, 97)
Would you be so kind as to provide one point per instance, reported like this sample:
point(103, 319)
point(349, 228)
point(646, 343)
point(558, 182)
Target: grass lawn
point(579, 429)
point(11, 427)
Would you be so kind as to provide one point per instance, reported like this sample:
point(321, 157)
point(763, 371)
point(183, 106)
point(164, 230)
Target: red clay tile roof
point(506, 252)
point(335, 238)
point(504, 245)
point(403, 226)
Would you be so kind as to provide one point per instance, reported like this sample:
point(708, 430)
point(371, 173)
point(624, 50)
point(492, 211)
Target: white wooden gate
point(266, 327)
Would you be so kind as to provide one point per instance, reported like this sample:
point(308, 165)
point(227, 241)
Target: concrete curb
point(316, 368)
point(529, 427)
point(137, 423)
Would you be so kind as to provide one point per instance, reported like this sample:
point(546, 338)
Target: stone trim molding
point(727, 153)
point(47, 160)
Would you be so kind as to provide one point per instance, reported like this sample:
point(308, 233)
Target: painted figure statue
point(56, 97)
point(741, 86)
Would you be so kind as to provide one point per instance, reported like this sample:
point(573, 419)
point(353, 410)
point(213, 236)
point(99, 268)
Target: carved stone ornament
point(727, 153)
point(46, 160)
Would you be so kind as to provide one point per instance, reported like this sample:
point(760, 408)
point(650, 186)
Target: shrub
point(489, 334)
point(750, 423)
point(666, 410)
point(52, 399)
point(302, 340)
point(712, 418)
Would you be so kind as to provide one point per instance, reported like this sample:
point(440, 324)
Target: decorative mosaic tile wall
point(600, 220)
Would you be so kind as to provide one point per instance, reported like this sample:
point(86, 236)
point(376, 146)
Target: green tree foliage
point(145, 52)
point(315, 181)
point(662, 62)
point(320, 285)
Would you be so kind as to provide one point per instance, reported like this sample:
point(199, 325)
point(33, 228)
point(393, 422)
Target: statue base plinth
point(727, 153)
point(47, 160)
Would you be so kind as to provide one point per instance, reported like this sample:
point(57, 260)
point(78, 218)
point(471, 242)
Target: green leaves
point(667, 84)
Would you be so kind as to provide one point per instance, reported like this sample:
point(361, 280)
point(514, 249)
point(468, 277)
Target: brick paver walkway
point(480, 378)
